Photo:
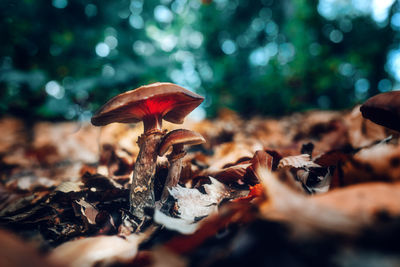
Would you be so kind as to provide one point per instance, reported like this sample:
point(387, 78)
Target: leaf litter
point(307, 189)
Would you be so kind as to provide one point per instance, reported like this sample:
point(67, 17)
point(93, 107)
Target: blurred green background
point(62, 59)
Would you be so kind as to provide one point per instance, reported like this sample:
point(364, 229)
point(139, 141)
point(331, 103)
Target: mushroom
point(383, 109)
point(177, 139)
point(150, 104)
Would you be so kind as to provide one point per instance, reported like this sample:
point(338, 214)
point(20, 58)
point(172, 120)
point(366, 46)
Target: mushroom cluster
point(151, 104)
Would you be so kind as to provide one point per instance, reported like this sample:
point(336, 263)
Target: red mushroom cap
point(383, 109)
point(179, 137)
point(166, 100)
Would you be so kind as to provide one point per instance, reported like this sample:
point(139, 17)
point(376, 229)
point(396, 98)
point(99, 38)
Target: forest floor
point(311, 189)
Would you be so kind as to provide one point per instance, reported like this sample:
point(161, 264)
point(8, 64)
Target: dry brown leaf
point(73, 141)
point(88, 210)
point(29, 182)
point(364, 200)
point(304, 215)
point(267, 132)
point(377, 163)
point(231, 174)
point(17, 253)
point(13, 134)
point(298, 161)
point(97, 251)
point(310, 125)
point(159, 257)
point(228, 153)
point(66, 187)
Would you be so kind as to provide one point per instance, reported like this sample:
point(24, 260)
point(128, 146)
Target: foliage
point(62, 59)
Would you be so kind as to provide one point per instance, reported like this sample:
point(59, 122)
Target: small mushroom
point(177, 139)
point(383, 109)
point(150, 104)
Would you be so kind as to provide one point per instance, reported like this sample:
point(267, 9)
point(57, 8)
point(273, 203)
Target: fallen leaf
point(176, 224)
point(364, 201)
point(193, 204)
point(104, 250)
point(15, 252)
point(304, 215)
point(67, 187)
point(88, 211)
point(298, 161)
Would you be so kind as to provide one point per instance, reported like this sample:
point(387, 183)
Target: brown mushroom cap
point(179, 137)
point(383, 109)
point(172, 102)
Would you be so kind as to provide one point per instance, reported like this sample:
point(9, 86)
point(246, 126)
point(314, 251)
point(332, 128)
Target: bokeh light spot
point(163, 14)
point(393, 63)
point(361, 88)
point(111, 42)
point(385, 85)
point(60, 3)
point(195, 39)
point(143, 48)
point(54, 89)
point(346, 69)
point(315, 49)
point(136, 6)
point(108, 71)
point(395, 21)
point(380, 9)
point(257, 24)
point(91, 10)
point(228, 47)
point(336, 36)
point(345, 25)
point(271, 28)
point(102, 49)
point(259, 57)
point(136, 21)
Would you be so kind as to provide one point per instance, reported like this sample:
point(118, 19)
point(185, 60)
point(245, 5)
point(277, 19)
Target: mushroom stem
point(142, 189)
point(174, 172)
point(152, 123)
